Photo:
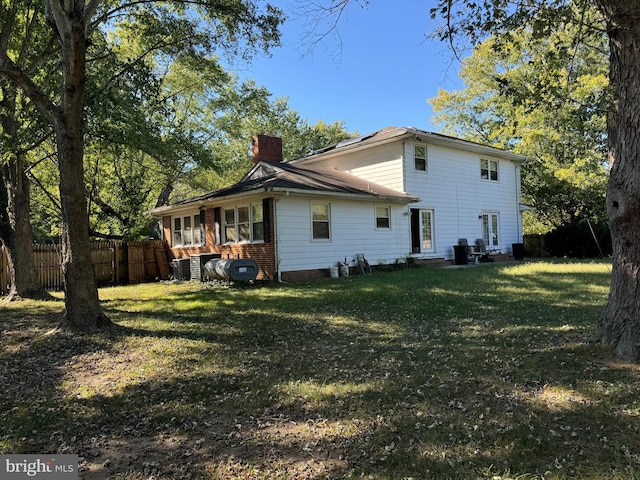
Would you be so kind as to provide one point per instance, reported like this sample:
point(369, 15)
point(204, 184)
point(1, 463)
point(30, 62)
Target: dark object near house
point(518, 251)
point(461, 254)
point(197, 264)
point(237, 270)
point(180, 268)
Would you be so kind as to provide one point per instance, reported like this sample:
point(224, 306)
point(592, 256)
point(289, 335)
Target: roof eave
point(355, 196)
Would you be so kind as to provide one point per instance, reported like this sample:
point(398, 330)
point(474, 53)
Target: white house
point(395, 193)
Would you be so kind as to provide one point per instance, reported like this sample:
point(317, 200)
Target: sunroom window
point(187, 231)
point(244, 223)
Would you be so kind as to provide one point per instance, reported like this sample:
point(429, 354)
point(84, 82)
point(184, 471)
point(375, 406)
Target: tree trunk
point(83, 312)
point(16, 233)
point(620, 324)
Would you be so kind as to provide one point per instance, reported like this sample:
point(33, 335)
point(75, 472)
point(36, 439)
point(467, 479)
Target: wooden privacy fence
point(114, 263)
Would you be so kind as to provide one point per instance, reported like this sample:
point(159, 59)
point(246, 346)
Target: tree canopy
point(545, 98)
point(87, 35)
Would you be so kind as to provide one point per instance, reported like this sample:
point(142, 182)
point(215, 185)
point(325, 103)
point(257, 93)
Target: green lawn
point(460, 373)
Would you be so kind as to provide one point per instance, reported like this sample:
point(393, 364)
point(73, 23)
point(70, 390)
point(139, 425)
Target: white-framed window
point(383, 217)
point(321, 221)
point(489, 170)
point(491, 229)
point(257, 222)
point(243, 223)
point(187, 231)
point(420, 158)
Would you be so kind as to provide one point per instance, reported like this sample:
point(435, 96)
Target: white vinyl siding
point(352, 231)
point(382, 165)
point(454, 190)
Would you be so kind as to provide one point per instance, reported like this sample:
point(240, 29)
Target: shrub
point(576, 240)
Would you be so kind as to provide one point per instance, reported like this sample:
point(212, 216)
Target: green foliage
point(579, 239)
point(544, 97)
point(246, 111)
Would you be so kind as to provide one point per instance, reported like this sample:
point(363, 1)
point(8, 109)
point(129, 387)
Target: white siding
point(353, 231)
point(453, 188)
point(381, 165)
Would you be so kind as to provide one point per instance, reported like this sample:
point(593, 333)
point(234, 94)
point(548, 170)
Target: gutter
point(354, 196)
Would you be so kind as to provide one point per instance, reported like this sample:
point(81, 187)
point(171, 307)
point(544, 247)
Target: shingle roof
point(287, 177)
point(305, 175)
point(397, 132)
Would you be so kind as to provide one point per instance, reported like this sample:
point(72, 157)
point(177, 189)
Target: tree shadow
point(425, 375)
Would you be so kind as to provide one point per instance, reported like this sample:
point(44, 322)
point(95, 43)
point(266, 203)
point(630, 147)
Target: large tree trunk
point(83, 312)
point(17, 237)
point(620, 324)
point(16, 233)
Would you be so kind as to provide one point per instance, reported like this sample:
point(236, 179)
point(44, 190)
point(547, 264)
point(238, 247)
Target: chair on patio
point(483, 251)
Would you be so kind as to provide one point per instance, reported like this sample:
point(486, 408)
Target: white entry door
point(490, 230)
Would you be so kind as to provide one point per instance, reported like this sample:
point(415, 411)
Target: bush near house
point(579, 240)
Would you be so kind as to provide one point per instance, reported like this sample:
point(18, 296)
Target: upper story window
point(383, 217)
point(243, 224)
point(321, 219)
point(420, 158)
point(489, 170)
point(187, 231)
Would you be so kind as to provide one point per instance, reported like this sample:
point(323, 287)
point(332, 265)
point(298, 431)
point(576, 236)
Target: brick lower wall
point(261, 253)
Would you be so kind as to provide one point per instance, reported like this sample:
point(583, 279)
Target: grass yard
point(470, 373)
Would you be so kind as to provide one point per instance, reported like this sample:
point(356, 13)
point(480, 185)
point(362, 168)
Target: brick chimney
point(266, 149)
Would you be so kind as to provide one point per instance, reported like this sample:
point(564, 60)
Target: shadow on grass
point(423, 374)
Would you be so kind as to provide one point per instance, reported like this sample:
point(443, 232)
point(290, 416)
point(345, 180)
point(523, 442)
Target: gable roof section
point(285, 177)
point(396, 133)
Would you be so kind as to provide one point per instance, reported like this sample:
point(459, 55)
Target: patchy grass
point(480, 372)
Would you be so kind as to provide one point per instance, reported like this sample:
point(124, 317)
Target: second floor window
point(489, 170)
point(420, 158)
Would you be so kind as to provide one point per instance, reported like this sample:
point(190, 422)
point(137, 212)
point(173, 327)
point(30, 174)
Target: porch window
point(244, 223)
point(489, 170)
point(257, 222)
point(244, 230)
point(177, 231)
point(230, 226)
point(320, 213)
point(187, 231)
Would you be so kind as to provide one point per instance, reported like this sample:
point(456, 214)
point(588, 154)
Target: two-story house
point(395, 193)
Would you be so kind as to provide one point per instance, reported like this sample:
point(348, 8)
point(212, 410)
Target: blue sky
point(380, 72)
